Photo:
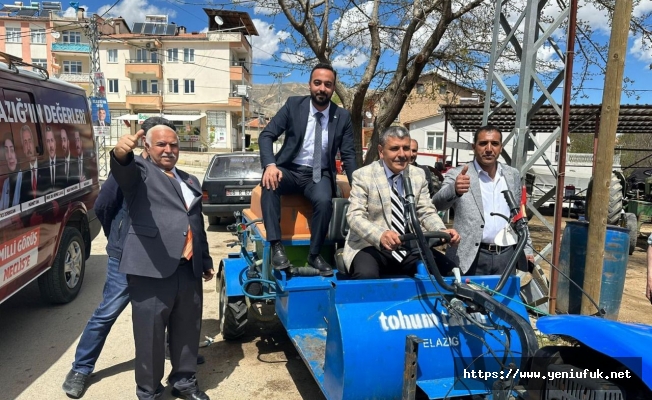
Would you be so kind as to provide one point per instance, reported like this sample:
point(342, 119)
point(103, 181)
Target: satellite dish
point(56, 35)
point(219, 20)
point(368, 114)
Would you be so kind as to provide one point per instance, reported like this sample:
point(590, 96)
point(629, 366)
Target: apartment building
point(197, 80)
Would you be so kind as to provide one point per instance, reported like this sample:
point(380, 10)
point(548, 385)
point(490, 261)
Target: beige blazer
point(370, 211)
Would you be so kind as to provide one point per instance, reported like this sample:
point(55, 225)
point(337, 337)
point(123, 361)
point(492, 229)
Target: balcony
point(71, 48)
point(152, 100)
point(143, 67)
point(237, 70)
point(74, 78)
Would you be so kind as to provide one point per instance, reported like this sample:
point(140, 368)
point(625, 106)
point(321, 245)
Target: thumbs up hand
point(463, 181)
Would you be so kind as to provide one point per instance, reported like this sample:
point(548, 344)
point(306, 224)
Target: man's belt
point(494, 248)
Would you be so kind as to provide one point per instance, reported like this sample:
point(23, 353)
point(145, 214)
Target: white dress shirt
point(305, 156)
point(493, 200)
point(188, 195)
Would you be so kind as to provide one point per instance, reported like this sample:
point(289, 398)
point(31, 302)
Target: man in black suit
point(164, 256)
point(34, 184)
point(56, 178)
point(68, 161)
point(80, 171)
point(101, 118)
point(315, 130)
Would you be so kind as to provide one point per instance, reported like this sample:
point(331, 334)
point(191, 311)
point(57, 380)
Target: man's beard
point(318, 102)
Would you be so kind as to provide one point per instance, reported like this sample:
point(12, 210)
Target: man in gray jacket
point(474, 191)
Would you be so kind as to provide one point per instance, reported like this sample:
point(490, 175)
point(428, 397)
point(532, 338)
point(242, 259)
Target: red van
point(48, 182)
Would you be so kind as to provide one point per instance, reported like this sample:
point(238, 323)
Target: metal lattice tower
point(93, 35)
point(524, 40)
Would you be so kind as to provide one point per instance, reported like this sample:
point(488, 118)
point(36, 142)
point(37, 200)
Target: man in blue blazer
point(315, 130)
point(164, 256)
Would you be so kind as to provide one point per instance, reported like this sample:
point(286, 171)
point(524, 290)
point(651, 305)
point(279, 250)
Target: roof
point(181, 36)
point(233, 21)
point(583, 118)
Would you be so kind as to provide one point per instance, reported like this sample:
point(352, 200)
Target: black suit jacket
point(292, 119)
point(42, 178)
point(159, 220)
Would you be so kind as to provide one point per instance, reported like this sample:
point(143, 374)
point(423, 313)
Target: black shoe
point(279, 258)
point(196, 395)
point(319, 263)
point(74, 384)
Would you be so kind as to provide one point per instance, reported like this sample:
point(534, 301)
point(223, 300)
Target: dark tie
point(316, 167)
point(52, 172)
point(34, 181)
point(398, 216)
point(187, 246)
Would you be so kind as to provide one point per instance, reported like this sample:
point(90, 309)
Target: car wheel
point(632, 225)
point(213, 220)
point(232, 313)
point(62, 282)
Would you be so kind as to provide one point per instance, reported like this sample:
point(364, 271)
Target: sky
point(269, 58)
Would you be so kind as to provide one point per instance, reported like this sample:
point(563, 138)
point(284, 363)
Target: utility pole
point(93, 35)
point(280, 76)
point(613, 85)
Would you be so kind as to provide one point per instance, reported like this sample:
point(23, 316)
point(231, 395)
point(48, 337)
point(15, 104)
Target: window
point(188, 55)
point(153, 56)
point(71, 37)
point(13, 35)
point(72, 67)
point(113, 86)
point(142, 55)
point(38, 36)
point(173, 85)
point(142, 86)
point(112, 55)
point(435, 140)
point(421, 89)
point(173, 55)
point(443, 88)
point(41, 62)
point(188, 86)
point(154, 85)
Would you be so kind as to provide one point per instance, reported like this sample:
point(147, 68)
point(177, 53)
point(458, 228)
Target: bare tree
point(386, 45)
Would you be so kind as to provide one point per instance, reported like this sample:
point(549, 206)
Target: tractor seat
point(296, 212)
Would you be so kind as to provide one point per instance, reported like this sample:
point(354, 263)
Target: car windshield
point(241, 167)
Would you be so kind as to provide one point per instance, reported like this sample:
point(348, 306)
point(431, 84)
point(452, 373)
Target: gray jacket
point(469, 215)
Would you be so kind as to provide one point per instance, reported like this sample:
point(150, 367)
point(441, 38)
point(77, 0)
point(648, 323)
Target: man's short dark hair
point(151, 122)
point(324, 66)
point(487, 128)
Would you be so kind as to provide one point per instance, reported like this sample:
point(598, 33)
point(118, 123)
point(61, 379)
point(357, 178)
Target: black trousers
point(371, 263)
point(174, 302)
point(299, 180)
point(491, 263)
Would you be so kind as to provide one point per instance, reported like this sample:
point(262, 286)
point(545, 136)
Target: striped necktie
point(398, 216)
point(187, 246)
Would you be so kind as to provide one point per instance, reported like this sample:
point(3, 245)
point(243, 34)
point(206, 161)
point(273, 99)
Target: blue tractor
point(426, 336)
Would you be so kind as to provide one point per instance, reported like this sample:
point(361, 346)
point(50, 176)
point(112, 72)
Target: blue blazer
point(292, 119)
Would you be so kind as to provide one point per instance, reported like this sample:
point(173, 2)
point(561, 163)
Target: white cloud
point(204, 30)
point(135, 11)
point(294, 58)
point(266, 7)
point(644, 7)
point(641, 50)
point(267, 44)
point(353, 25)
point(71, 12)
point(352, 59)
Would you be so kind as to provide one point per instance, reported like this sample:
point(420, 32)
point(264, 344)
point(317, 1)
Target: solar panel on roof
point(26, 13)
point(171, 30)
point(159, 29)
point(138, 27)
point(51, 5)
point(148, 29)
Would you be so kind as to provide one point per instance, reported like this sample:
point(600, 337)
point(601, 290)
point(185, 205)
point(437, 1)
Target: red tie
point(34, 181)
point(187, 247)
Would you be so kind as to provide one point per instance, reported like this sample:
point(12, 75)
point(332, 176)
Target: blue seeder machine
point(425, 336)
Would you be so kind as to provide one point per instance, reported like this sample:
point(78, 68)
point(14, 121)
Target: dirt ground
point(635, 307)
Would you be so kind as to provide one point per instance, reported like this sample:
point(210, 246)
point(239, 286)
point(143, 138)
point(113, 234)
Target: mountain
point(265, 97)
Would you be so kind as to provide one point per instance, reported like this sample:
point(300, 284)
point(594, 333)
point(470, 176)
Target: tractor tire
point(615, 199)
point(232, 313)
point(61, 283)
point(632, 225)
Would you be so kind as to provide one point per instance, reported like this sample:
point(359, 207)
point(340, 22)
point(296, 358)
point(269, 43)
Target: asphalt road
point(38, 341)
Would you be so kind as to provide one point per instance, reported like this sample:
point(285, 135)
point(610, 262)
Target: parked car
point(228, 183)
point(49, 182)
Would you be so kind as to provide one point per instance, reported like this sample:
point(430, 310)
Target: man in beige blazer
point(374, 216)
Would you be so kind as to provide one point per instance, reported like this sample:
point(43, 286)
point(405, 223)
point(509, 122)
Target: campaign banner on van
point(18, 255)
